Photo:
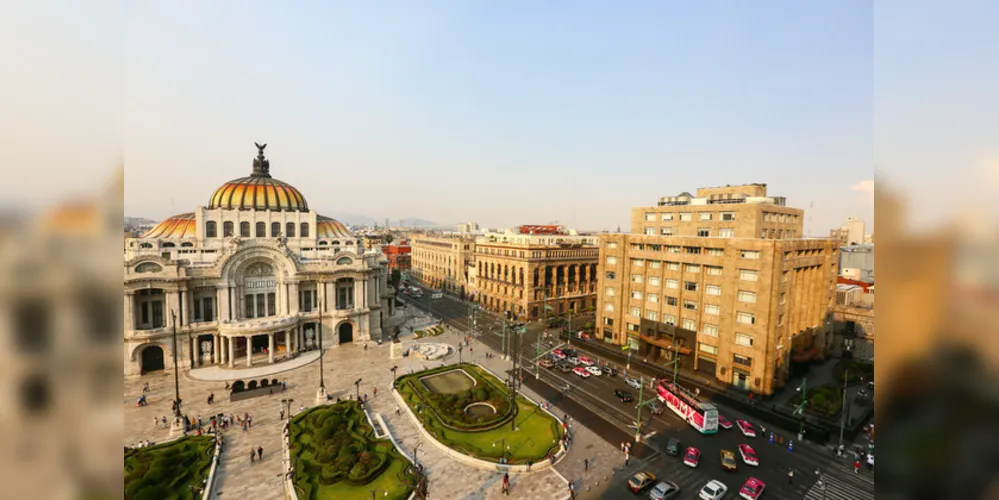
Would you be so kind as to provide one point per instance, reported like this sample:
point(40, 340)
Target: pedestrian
point(572, 491)
point(365, 397)
point(627, 458)
point(586, 464)
point(856, 466)
point(397, 410)
point(164, 421)
point(284, 385)
point(870, 461)
point(790, 476)
point(281, 415)
point(375, 390)
point(260, 452)
point(145, 388)
point(156, 421)
point(529, 464)
point(253, 455)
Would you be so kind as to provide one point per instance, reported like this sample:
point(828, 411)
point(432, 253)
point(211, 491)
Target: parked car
point(564, 367)
point(748, 455)
point(594, 370)
point(640, 481)
point(728, 461)
point(558, 353)
point(724, 423)
point(665, 490)
point(609, 371)
point(692, 457)
point(746, 428)
point(752, 489)
point(713, 490)
point(570, 352)
point(634, 383)
point(673, 446)
point(582, 372)
point(586, 360)
point(546, 363)
point(574, 360)
point(624, 396)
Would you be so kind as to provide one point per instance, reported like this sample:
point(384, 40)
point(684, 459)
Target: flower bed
point(177, 470)
point(336, 456)
point(433, 331)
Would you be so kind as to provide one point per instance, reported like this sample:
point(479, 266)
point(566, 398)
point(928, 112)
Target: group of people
point(257, 454)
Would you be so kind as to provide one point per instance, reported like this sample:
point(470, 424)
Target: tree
point(395, 277)
point(388, 239)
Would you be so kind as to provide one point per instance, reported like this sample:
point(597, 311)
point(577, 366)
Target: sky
point(525, 112)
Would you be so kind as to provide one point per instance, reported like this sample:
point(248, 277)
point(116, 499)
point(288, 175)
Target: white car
point(574, 360)
point(634, 383)
point(713, 490)
point(595, 370)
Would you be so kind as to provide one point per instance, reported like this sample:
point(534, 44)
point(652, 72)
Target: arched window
point(323, 243)
point(187, 244)
point(146, 245)
point(304, 233)
point(289, 229)
point(227, 229)
point(210, 229)
point(261, 230)
point(244, 229)
point(336, 242)
point(168, 245)
point(275, 229)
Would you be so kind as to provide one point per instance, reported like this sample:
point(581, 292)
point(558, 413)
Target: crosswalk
point(841, 483)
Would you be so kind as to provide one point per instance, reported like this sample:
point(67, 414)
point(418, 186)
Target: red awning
point(805, 356)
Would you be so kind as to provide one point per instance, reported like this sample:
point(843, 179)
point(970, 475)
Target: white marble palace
point(253, 277)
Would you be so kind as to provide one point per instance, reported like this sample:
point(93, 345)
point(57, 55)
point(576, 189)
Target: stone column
point(293, 299)
point(222, 304)
point(232, 351)
point(194, 351)
point(215, 349)
point(249, 351)
point(270, 347)
point(129, 311)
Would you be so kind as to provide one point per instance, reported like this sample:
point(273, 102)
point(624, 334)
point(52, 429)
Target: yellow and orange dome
point(178, 226)
point(331, 228)
point(257, 192)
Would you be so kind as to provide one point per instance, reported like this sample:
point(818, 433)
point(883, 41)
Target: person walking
point(253, 455)
point(856, 466)
point(870, 461)
point(572, 491)
point(260, 452)
point(790, 476)
point(375, 391)
point(586, 464)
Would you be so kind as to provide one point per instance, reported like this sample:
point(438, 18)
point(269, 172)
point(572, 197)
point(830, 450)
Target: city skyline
point(443, 106)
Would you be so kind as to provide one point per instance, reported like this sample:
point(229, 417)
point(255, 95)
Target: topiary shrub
point(358, 471)
point(152, 492)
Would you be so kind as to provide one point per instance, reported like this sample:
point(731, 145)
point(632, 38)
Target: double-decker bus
point(699, 414)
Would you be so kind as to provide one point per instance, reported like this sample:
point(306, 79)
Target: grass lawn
point(170, 471)
point(388, 481)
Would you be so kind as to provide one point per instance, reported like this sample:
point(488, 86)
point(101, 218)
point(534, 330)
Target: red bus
point(699, 414)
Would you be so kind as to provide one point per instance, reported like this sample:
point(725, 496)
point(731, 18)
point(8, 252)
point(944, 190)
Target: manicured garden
point(477, 421)
point(825, 399)
point(433, 331)
point(177, 470)
point(855, 370)
point(335, 455)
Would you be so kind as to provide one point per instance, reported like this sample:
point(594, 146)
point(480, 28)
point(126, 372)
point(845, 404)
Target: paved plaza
point(239, 478)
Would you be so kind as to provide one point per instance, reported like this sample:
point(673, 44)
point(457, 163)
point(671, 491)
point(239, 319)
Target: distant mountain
point(133, 223)
point(417, 223)
point(354, 219)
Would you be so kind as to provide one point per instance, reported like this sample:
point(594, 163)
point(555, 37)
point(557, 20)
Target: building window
point(655, 264)
point(261, 230)
point(669, 319)
point(666, 231)
point(650, 216)
point(637, 278)
point(612, 244)
point(728, 216)
point(671, 301)
point(712, 309)
point(271, 304)
point(611, 260)
point(763, 234)
point(304, 233)
point(710, 330)
point(636, 311)
point(652, 315)
point(747, 296)
point(744, 318)
point(716, 252)
point(609, 307)
point(275, 229)
point(673, 266)
point(635, 294)
point(780, 320)
point(743, 339)
point(609, 291)
point(289, 230)
point(610, 275)
point(637, 262)
point(714, 271)
point(748, 275)
point(751, 254)
point(782, 299)
point(742, 360)
point(692, 250)
point(686, 217)
point(672, 284)
point(651, 297)
point(712, 289)
point(693, 268)
point(725, 232)
point(632, 327)
point(668, 217)
point(650, 231)
point(690, 305)
point(784, 276)
point(227, 229)
point(210, 229)
point(244, 229)
point(708, 348)
point(672, 249)
point(704, 215)
point(689, 324)
point(608, 322)
point(654, 281)
point(690, 286)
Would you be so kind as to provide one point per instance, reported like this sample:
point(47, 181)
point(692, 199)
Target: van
point(673, 446)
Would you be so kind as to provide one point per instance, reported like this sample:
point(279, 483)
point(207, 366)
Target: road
point(601, 411)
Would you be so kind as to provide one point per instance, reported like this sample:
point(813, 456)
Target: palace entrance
point(346, 332)
point(152, 359)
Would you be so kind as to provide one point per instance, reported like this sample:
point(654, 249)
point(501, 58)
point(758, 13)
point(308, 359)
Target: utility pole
point(641, 403)
point(845, 409)
point(176, 368)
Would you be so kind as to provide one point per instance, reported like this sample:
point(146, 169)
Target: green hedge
point(450, 408)
point(825, 400)
point(169, 471)
point(855, 369)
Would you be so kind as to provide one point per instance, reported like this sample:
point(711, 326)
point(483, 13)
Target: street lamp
point(357, 384)
point(287, 404)
point(460, 348)
point(176, 369)
point(800, 410)
point(503, 449)
point(323, 308)
point(393, 369)
point(844, 410)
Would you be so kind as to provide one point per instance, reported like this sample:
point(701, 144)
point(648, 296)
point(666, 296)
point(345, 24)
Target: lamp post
point(800, 410)
point(393, 369)
point(845, 410)
point(460, 348)
point(502, 449)
point(357, 385)
point(323, 309)
point(176, 369)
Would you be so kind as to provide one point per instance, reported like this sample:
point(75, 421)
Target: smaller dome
point(331, 228)
point(178, 226)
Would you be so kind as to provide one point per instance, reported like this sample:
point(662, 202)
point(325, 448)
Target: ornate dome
point(178, 226)
point(331, 228)
point(259, 191)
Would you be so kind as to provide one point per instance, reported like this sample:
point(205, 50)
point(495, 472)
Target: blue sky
point(528, 112)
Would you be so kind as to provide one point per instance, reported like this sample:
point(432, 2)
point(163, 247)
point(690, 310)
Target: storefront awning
point(666, 344)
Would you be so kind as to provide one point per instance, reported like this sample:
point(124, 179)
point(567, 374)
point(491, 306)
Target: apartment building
point(727, 275)
point(852, 232)
point(441, 262)
point(523, 270)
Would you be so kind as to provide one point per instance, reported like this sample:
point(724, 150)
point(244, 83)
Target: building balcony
point(257, 325)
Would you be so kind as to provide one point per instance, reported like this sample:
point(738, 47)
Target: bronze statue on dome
point(260, 149)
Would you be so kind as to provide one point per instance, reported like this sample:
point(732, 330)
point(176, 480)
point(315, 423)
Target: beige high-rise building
point(728, 275)
point(522, 270)
point(442, 262)
point(852, 232)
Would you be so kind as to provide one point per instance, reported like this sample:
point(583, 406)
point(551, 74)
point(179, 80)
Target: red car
point(752, 489)
point(579, 370)
point(746, 428)
point(724, 423)
point(748, 455)
point(692, 456)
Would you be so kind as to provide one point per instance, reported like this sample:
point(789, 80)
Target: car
point(572, 353)
point(633, 383)
point(546, 363)
point(558, 354)
point(752, 489)
point(665, 490)
point(624, 396)
point(724, 423)
point(594, 370)
point(564, 367)
point(746, 428)
point(572, 359)
point(609, 371)
point(728, 460)
point(640, 481)
point(748, 455)
point(713, 490)
point(586, 360)
point(673, 446)
point(692, 457)
point(579, 370)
